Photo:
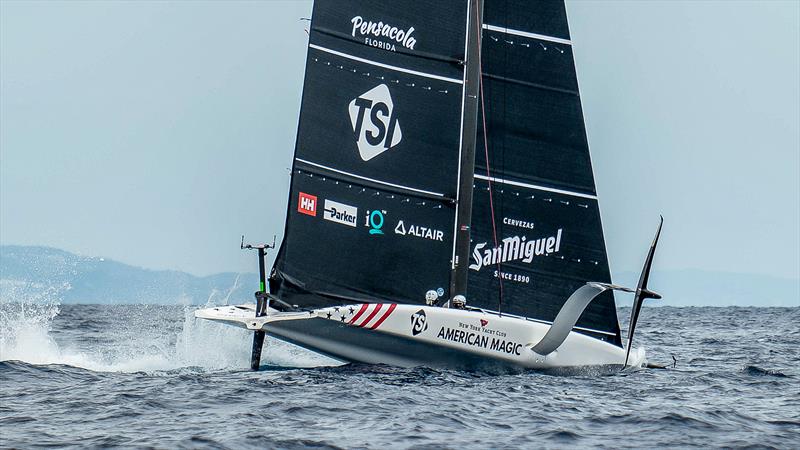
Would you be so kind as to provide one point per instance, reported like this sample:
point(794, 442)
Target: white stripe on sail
point(534, 186)
point(526, 34)
point(385, 183)
point(385, 66)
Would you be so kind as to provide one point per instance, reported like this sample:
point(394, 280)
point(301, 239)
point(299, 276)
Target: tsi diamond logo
point(419, 322)
point(340, 213)
point(374, 122)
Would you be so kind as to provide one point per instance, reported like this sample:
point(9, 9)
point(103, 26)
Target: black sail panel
point(371, 206)
point(399, 107)
point(545, 17)
point(348, 242)
point(548, 245)
point(548, 228)
point(533, 107)
point(392, 127)
point(426, 36)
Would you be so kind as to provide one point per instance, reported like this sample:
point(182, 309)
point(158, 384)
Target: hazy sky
point(156, 133)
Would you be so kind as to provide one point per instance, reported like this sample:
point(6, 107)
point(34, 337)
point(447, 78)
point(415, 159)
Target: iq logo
point(307, 204)
point(375, 219)
point(380, 131)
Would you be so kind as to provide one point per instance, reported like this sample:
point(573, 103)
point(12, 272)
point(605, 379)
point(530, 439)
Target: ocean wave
point(156, 377)
point(759, 372)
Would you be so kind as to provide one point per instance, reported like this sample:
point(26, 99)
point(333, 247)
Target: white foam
point(26, 314)
point(638, 358)
point(144, 342)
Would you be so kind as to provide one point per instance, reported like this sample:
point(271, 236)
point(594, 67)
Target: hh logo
point(374, 122)
point(418, 322)
point(307, 204)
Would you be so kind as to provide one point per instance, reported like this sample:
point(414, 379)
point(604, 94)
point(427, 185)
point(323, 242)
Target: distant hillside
point(98, 280)
point(707, 288)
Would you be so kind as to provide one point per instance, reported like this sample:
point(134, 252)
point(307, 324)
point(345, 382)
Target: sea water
point(153, 376)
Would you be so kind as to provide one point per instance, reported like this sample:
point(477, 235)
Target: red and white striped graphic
point(372, 315)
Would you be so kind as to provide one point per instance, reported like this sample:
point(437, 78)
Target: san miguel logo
point(382, 35)
point(514, 249)
point(374, 122)
point(307, 204)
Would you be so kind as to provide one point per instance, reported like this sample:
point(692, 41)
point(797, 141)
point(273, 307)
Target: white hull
point(414, 335)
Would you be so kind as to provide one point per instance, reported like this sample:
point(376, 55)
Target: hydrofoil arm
point(577, 302)
point(242, 316)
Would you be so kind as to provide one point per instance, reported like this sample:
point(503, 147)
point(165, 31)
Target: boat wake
point(134, 339)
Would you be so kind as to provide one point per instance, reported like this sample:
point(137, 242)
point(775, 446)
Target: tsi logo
point(340, 213)
point(375, 219)
point(374, 122)
point(418, 322)
point(307, 204)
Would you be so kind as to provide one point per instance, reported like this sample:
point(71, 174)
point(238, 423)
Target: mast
point(469, 125)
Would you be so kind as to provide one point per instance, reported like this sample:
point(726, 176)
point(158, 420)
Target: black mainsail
point(549, 237)
point(380, 205)
point(375, 180)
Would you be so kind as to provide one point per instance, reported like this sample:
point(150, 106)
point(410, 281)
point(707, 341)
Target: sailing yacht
point(442, 208)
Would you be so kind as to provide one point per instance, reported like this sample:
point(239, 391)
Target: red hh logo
point(307, 204)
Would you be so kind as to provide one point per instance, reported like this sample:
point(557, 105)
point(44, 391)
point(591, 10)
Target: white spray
point(138, 339)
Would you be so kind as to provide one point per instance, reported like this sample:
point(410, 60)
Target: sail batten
point(535, 187)
point(530, 84)
point(384, 184)
point(386, 66)
point(527, 34)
